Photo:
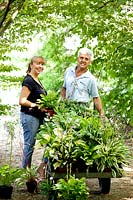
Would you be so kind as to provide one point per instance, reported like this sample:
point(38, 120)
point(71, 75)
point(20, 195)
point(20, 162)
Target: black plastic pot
point(31, 186)
point(105, 184)
point(5, 192)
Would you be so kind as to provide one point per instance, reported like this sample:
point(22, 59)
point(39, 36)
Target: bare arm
point(63, 93)
point(25, 92)
point(98, 105)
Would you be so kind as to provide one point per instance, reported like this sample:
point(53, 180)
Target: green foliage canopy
point(108, 21)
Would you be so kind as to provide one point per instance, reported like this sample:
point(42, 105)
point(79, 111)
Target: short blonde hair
point(85, 50)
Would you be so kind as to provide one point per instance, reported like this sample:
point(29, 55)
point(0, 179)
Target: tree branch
point(6, 13)
point(104, 4)
point(10, 20)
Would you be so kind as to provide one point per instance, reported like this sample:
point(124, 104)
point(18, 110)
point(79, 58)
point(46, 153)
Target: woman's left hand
point(43, 109)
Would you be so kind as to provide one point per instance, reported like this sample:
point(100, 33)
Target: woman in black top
point(31, 116)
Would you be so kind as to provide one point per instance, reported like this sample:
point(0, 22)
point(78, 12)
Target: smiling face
point(37, 65)
point(83, 61)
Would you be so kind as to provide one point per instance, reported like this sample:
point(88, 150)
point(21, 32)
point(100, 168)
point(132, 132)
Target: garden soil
point(11, 152)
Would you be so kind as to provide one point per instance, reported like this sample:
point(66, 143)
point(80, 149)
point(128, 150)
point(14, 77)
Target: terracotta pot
point(50, 112)
point(5, 192)
point(62, 169)
point(31, 186)
point(107, 169)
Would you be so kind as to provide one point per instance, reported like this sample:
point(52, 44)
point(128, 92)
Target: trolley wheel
point(105, 184)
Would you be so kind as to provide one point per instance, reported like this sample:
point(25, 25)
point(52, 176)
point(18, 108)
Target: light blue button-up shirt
point(81, 88)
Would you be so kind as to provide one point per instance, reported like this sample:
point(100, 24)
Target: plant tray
point(79, 169)
point(85, 174)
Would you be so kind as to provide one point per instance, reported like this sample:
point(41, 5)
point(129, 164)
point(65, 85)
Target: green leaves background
point(109, 22)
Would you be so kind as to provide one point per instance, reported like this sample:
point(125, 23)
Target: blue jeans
point(30, 126)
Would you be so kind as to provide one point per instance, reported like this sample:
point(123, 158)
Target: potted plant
point(8, 176)
point(49, 102)
point(71, 189)
point(47, 189)
point(65, 189)
point(69, 137)
point(30, 175)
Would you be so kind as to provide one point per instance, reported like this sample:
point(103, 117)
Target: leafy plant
point(46, 187)
point(71, 189)
point(4, 109)
point(69, 137)
point(106, 145)
point(27, 175)
point(48, 101)
point(9, 175)
point(10, 125)
point(62, 147)
point(112, 155)
point(30, 173)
